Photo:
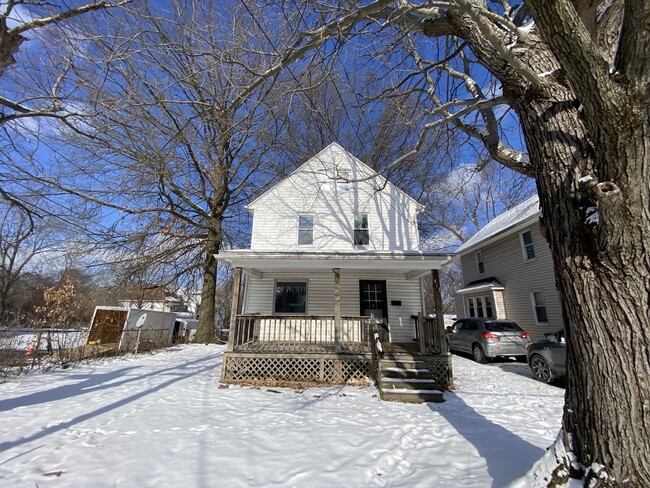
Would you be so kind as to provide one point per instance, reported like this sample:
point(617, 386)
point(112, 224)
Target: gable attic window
point(290, 297)
point(361, 233)
point(342, 179)
point(305, 229)
point(527, 245)
point(479, 262)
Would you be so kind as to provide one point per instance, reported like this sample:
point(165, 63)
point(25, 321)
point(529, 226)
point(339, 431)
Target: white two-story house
point(508, 273)
point(334, 251)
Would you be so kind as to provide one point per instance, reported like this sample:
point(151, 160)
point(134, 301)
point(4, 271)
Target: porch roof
point(410, 263)
point(486, 284)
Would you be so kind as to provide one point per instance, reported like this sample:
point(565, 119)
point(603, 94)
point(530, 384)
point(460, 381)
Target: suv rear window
point(502, 326)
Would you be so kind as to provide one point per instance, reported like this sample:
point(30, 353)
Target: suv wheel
point(479, 355)
point(541, 369)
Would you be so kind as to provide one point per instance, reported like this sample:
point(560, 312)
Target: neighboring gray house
point(508, 273)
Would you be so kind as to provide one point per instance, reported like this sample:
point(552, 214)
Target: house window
point(527, 245)
point(305, 229)
point(489, 311)
point(479, 262)
point(540, 307)
point(470, 305)
point(361, 235)
point(290, 297)
point(479, 307)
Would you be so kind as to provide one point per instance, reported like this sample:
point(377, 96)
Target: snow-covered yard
point(162, 420)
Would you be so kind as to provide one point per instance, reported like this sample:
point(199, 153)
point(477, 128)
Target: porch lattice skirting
point(287, 369)
point(277, 369)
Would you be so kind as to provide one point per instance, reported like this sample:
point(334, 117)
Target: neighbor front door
point(373, 302)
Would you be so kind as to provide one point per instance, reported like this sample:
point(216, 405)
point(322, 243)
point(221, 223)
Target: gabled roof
point(323, 160)
point(483, 284)
point(504, 223)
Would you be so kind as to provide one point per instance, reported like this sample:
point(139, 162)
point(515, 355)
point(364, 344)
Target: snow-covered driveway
point(161, 420)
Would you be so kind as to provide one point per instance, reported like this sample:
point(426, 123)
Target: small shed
point(127, 327)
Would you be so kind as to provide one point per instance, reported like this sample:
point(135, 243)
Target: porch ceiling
point(410, 263)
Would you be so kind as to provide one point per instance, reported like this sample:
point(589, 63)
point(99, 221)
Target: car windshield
point(502, 327)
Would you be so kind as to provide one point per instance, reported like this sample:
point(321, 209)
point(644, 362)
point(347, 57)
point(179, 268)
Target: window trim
point(354, 228)
point(291, 280)
point(535, 306)
point(524, 246)
point(313, 225)
point(480, 263)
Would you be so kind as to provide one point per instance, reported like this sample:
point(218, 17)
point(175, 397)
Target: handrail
point(430, 335)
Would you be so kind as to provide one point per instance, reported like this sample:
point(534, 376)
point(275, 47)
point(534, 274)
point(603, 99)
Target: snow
point(163, 420)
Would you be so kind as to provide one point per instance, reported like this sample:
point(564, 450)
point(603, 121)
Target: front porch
point(301, 350)
point(293, 318)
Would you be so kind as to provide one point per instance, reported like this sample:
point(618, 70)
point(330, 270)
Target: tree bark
point(205, 331)
point(591, 159)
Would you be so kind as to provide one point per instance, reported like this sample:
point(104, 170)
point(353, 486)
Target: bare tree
point(575, 74)
point(20, 242)
point(19, 19)
point(172, 141)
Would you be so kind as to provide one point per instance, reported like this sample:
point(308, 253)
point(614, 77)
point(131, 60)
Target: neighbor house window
point(290, 297)
point(479, 262)
point(479, 307)
point(305, 229)
point(361, 235)
point(470, 306)
point(540, 307)
point(489, 312)
point(527, 245)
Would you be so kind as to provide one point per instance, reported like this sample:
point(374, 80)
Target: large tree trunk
point(205, 331)
point(600, 240)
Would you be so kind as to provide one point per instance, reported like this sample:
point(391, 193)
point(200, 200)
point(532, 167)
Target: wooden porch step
point(405, 373)
point(408, 384)
point(412, 396)
point(407, 379)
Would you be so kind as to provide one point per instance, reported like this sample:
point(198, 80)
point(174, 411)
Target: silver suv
point(487, 338)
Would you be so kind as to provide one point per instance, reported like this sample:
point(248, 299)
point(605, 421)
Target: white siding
point(320, 297)
point(503, 259)
point(312, 189)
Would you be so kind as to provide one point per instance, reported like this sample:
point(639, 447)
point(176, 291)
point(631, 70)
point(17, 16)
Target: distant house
point(152, 298)
point(334, 252)
point(508, 272)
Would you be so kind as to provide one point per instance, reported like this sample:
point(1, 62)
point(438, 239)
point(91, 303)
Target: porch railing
point(300, 334)
point(431, 335)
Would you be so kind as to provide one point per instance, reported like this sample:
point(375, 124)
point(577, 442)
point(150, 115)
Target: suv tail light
point(487, 335)
point(525, 335)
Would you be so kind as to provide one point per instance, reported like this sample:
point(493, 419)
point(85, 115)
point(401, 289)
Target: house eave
point(479, 289)
point(411, 263)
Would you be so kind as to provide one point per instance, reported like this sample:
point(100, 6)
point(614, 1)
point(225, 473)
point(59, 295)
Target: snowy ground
point(161, 420)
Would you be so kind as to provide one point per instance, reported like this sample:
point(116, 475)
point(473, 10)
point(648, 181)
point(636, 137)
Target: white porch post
point(234, 308)
point(337, 309)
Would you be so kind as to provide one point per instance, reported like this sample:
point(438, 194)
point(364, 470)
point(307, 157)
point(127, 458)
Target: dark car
point(547, 357)
point(487, 338)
